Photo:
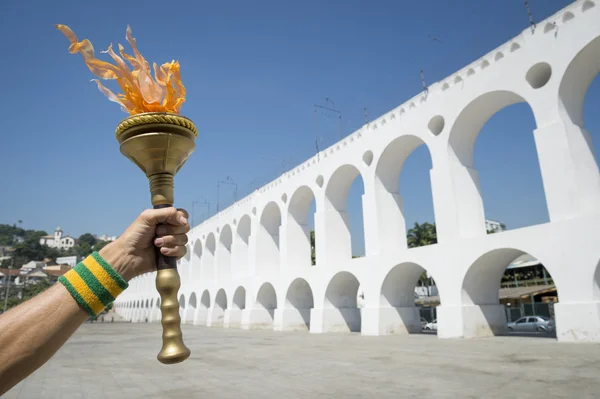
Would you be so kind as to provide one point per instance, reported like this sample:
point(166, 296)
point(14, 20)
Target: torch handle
point(168, 284)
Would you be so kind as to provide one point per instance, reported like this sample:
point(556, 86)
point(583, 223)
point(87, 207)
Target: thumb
point(170, 215)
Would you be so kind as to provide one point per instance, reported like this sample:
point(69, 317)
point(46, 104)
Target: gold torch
point(159, 141)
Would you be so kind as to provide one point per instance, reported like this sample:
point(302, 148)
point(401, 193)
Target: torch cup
point(159, 143)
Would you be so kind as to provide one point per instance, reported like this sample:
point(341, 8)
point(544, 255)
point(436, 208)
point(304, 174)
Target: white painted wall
point(250, 264)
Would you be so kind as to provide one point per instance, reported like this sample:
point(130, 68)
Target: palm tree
point(421, 234)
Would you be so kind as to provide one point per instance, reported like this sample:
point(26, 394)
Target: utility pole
point(8, 282)
point(230, 182)
point(203, 202)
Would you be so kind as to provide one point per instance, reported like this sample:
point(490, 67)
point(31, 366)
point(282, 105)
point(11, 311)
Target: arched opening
point(580, 97)
point(196, 264)
point(224, 254)
point(300, 233)
point(344, 227)
point(267, 299)
point(403, 168)
point(221, 299)
point(408, 301)
point(299, 299)
point(208, 259)
point(182, 306)
point(267, 251)
point(341, 295)
point(183, 266)
point(507, 290)
point(482, 136)
point(240, 247)
point(218, 313)
point(239, 298)
point(201, 314)
point(205, 300)
point(192, 303)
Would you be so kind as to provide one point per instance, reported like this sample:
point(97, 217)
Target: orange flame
point(141, 93)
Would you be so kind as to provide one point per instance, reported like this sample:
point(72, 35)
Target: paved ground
point(118, 361)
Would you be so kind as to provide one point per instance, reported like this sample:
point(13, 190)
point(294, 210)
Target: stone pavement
point(118, 361)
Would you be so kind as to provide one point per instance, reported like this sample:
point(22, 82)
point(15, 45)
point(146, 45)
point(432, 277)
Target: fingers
point(172, 245)
point(167, 229)
point(172, 216)
point(171, 228)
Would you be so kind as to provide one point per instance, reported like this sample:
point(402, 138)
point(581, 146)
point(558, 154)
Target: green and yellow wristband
point(93, 283)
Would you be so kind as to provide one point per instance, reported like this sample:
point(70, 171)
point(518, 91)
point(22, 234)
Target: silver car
point(532, 324)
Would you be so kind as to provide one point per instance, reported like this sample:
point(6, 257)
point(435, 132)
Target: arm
point(32, 332)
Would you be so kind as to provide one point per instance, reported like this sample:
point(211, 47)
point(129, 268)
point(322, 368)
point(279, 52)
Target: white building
point(249, 266)
point(58, 240)
point(493, 225)
point(67, 260)
point(105, 237)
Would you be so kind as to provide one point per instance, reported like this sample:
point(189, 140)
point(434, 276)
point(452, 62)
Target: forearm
point(33, 331)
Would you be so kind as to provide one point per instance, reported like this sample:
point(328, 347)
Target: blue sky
point(253, 71)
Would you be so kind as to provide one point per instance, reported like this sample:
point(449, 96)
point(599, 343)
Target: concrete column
point(215, 317)
point(372, 216)
point(391, 224)
point(578, 322)
point(292, 319)
point(232, 318)
point(457, 201)
point(390, 320)
point(569, 170)
point(471, 321)
point(201, 316)
point(257, 319)
point(335, 243)
point(335, 320)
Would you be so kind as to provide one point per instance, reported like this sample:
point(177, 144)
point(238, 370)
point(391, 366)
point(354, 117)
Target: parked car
point(532, 324)
point(431, 326)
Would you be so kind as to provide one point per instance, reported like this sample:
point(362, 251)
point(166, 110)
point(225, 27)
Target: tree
point(421, 234)
point(100, 244)
point(88, 238)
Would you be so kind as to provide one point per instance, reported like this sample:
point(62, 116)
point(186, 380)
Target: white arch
point(298, 230)
point(266, 299)
point(240, 251)
point(472, 118)
point(239, 298)
point(391, 220)
point(208, 259)
point(481, 284)
point(196, 262)
point(268, 248)
point(224, 252)
point(338, 234)
point(341, 294)
point(577, 79)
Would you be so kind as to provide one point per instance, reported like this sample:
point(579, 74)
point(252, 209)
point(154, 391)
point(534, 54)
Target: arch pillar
point(457, 202)
point(569, 170)
point(370, 217)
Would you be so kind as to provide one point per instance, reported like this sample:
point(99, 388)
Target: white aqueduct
point(249, 266)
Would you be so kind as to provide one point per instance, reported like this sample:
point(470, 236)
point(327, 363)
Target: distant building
point(495, 226)
point(104, 237)
point(58, 240)
point(67, 260)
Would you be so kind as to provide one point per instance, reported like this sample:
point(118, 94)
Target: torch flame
point(141, 93)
